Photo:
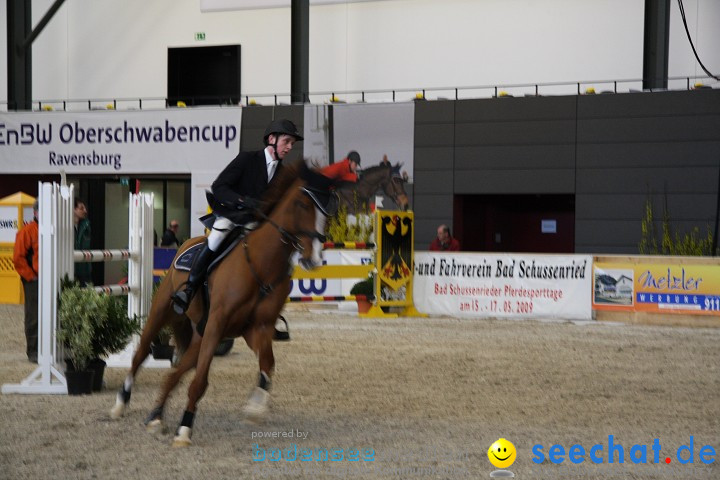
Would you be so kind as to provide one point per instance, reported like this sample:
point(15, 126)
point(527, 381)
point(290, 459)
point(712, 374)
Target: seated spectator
point(444, 241)
point(169, 238)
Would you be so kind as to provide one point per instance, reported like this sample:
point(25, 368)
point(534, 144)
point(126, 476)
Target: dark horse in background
point(247, 290)
point(357, 197)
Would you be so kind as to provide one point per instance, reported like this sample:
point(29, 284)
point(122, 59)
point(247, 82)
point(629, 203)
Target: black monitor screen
point(204, 75)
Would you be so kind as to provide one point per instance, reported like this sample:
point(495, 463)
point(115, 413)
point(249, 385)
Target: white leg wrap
point(182, 439)
point(118, 410)
point(154, 426)
point(257, 405)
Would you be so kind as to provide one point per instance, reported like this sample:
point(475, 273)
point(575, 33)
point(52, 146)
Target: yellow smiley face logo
point(502, 453)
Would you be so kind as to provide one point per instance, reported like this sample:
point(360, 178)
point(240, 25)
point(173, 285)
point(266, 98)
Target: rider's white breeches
point(221, 228)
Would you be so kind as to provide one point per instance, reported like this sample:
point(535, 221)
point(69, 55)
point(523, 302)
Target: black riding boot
point(182, 298)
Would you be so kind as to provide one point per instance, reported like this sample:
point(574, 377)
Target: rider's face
point(284, 144)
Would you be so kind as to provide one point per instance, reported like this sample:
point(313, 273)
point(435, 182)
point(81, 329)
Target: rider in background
point(344, 170)
point(244, 180)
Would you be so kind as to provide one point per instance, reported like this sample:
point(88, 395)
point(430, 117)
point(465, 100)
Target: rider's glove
point(247, 203)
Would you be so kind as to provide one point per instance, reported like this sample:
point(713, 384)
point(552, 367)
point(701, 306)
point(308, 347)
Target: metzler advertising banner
point(670, 287)
point(503, 285)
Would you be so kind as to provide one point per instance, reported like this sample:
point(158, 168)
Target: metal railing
point(376, 96)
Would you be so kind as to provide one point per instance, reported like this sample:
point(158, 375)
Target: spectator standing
point(83, 271)
point(25, 259)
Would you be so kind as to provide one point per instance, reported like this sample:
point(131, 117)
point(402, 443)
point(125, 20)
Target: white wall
point(118, 49)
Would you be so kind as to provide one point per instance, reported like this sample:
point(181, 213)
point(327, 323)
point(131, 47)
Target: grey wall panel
point(433, 182)
point(515, 156)
point(698, 102)
point(546, 132)
point(608, 150)
point(648, 155)
point(516, 109)
point(631, 206)
point(607, 232)
point(435, 135)
point(621, 236)
point(426, 231)
point(649, 129)
point(639, 180)
point(435, 206)
point(515, 181)
point(434, 112)
point(630, 144)
point(434, 169)
point(256, 119)
point(433, 158)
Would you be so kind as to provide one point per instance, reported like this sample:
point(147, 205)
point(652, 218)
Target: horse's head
point(395, 186)
point(296, 212)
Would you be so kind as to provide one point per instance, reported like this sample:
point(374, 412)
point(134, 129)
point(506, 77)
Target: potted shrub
point(160, 346)
point(76, 312)
point(111, 335)
point(92, 325)
point(364, 287)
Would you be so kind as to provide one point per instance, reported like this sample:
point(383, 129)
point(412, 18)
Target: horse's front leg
point(259, 339)
point(154, 420)
point(198, 386)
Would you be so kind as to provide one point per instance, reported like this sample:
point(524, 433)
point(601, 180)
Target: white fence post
point(56, 259)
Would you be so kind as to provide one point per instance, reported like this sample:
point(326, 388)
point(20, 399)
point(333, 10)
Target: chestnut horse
point(385, 177)
point(247, 290)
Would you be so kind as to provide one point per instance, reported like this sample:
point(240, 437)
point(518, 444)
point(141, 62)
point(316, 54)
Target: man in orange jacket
point(25, 258)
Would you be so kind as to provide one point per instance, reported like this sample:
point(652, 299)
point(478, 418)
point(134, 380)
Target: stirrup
point(181, 301)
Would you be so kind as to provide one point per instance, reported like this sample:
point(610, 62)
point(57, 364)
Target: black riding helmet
point(354, 156)
point(281, 126)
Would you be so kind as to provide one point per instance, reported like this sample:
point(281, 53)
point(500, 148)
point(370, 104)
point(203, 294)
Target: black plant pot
point(162, 352)
point(98, 366)
point(79, 382)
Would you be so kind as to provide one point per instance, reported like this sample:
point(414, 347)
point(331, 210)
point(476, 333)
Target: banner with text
point(503, 285)
point(671, 287)
point(119, 142)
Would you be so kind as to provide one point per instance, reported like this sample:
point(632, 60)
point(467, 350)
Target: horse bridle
point(286, 238)
point(396, 179)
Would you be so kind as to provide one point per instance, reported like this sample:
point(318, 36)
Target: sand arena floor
point(427, 396)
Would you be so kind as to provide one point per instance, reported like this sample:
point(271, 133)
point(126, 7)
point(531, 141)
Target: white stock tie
point(271, 170)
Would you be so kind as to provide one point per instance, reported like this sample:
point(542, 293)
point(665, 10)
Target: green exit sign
point(199, 35)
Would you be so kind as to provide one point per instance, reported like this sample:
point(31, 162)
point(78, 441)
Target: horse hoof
point(256, 408)
point(118, 410)
point(154, 426)
point(182, 439)
point(282, 330)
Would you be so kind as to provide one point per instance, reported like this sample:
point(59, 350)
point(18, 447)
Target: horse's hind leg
point(259, 339)
point(153, 422)
point(160, 314)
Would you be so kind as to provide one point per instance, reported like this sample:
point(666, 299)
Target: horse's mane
point(381, 167)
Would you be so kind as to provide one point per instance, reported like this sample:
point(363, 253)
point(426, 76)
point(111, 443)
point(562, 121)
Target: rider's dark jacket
point(245, 176)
